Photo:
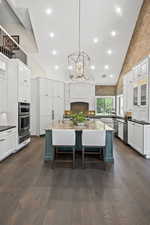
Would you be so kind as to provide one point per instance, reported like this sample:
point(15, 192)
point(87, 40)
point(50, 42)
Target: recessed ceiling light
point(56, 67)
point(49, 11)
point(96, 40)
point(111, 75)
point(106, 67)
point(92, 67)
point(54, 52)
point(70, 67)
point(52, 35)
point(109, 52)
point(113, 33)
point(118, 10)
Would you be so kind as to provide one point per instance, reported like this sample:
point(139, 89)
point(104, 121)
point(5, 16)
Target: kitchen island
point(89, 125)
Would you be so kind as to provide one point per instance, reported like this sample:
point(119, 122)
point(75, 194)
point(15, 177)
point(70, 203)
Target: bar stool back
point(63, 138)
point(92, 138)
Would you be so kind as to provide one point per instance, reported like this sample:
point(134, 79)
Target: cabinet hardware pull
point(2, 140)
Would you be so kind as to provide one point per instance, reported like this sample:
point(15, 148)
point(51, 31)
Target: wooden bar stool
point(92, 139)
point(64, 138)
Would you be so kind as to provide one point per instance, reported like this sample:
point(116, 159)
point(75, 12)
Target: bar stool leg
point(73, 161)
point(83, 158)
point(53, 161)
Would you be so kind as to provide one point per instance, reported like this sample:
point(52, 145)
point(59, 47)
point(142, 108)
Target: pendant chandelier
point(79, 62)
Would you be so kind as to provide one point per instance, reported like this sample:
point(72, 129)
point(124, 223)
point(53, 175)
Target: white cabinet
point(3, 66)
point(138, 137)
point(24, 75)
point(128, 92)
point(7, 143)
point(131, 133)
point(140, 91)
point(47, 103)
point(120, 130)
point(3, 83)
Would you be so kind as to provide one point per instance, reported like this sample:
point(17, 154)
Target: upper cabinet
point(128, 92)
point(24, 83)
point(136, 91)
point(3, 83)
point(3, 66)
point(140, 92)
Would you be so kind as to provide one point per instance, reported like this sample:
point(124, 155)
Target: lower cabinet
point(138, 138)
point(120, 130)
point(7, 143)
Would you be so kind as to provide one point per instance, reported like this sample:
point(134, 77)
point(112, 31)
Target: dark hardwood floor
point(31, 193)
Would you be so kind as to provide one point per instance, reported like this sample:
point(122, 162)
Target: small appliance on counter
point(128, 115)
point(91, 113)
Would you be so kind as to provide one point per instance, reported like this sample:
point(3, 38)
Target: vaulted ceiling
point(106, 30)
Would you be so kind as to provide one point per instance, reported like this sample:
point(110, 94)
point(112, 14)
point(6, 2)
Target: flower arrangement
point(78, 118)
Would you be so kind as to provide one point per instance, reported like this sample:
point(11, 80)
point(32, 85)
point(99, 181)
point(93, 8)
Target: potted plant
point(78, 119)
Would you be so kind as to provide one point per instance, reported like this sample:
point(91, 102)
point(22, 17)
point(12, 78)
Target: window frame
point(120, 105)
point(114, 104)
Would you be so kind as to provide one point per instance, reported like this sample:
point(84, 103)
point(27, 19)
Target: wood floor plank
point(31, 193)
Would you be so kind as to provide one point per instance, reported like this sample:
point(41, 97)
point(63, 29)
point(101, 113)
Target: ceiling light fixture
point(96, 40)
point(111, 75)
point(56, 67)
point(52, 35)
point(109, 52)
point(118, 10)
point(106, 67)
point(113, 33)
point(49, 11)
point(79, 61)
point(54, 52)
point(92, 67)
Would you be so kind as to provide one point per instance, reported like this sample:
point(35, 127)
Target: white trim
point(96, 97)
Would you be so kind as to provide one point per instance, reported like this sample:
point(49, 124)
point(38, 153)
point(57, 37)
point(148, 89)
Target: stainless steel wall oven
point(23, 121)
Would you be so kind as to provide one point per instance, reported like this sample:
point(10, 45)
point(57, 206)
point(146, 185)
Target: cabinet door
point(120, 130)
point(45, 105)
point(43, 87)
point(44, 123)
point(50, 88)
point(143, 95)
point(11, 141)
point(130, 133)
point(24, 92)
point(20, 82)
point(3, 147)
point(3, 95)
point(139, 138)
point(27, 85)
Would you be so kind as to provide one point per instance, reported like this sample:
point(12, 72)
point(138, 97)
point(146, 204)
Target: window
point(105, 105)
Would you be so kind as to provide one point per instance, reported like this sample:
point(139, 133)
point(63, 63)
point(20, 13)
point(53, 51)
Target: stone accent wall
point(140, 43)
point(103, 90)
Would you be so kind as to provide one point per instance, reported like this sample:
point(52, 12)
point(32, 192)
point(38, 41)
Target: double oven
point(23, 121)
